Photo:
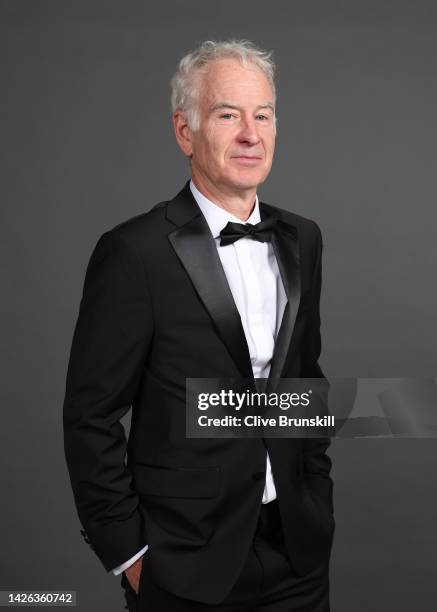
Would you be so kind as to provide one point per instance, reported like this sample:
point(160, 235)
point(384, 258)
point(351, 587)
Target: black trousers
point(267, 582)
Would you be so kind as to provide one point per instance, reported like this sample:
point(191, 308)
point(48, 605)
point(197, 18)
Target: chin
point(247, 180)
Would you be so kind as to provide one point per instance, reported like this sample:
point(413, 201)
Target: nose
point(248, 133)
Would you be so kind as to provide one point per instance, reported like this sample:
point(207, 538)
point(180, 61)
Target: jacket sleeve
point(317, 464)
point(110, 344)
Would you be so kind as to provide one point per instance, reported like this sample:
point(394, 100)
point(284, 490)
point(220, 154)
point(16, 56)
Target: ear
point(183, 133)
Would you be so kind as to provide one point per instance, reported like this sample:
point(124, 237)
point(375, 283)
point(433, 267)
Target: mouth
point(247, 160)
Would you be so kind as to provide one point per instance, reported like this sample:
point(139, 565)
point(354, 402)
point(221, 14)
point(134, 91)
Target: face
point(233, 147)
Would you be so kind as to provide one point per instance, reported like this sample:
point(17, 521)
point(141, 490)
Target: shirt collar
point(217, 217)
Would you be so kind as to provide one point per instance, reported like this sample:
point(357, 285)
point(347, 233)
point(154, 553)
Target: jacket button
point(258, 475)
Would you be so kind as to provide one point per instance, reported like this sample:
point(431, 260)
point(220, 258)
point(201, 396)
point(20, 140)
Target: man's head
point(223, 100)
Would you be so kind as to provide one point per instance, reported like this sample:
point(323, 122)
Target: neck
point(239, 203)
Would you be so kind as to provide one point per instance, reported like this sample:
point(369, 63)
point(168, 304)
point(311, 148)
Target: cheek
point(219, 140)
point(212, 143)
point(270, 146)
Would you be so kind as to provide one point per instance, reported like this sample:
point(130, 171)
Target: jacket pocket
point(318, 507)
point(181, 482)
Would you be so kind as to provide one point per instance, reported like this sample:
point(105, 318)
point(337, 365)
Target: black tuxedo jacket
point(157, 309)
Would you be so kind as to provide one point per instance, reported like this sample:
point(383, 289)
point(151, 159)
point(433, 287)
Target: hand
point(133, 573)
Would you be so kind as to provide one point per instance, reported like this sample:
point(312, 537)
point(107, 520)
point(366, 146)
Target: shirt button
point(258, 475)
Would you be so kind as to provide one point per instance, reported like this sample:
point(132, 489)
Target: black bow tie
point(234, 231)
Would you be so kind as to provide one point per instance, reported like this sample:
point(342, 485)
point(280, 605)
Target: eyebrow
point(219, 105)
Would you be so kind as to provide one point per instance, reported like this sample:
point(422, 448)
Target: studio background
point(87, 142)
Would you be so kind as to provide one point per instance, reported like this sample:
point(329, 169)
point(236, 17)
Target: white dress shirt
point(253, 276)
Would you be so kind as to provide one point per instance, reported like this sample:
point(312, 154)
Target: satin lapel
point(196, 249)
point(285, 244)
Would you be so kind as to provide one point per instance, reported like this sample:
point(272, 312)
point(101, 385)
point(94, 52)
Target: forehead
point(227, 79)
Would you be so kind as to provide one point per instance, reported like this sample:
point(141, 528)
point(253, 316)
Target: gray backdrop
point(86, 142)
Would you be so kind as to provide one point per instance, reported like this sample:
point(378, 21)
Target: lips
point(245, 157)
point(248, 160)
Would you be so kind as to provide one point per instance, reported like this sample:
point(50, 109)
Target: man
point(182, 292)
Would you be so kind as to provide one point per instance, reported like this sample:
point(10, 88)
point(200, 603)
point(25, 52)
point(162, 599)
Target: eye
point(226, 116)
point(262, 117)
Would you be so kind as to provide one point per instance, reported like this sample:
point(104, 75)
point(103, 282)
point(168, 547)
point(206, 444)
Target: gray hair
point(185, 84)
